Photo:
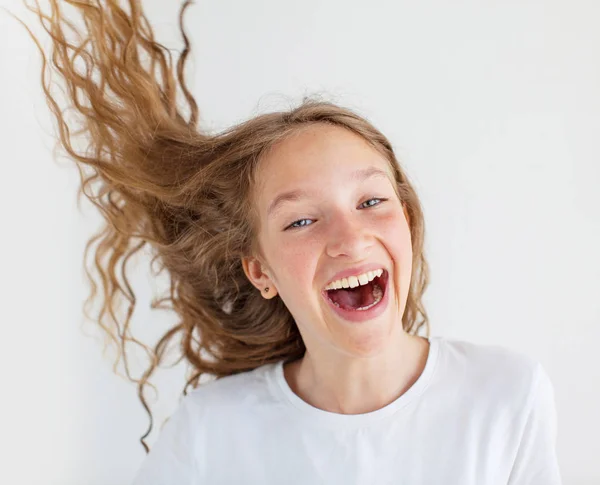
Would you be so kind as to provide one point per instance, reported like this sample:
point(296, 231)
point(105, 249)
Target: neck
point(355, 386)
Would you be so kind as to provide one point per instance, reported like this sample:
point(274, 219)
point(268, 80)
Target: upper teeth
point(354, 281)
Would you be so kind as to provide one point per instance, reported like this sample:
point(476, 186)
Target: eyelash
point(291, 226)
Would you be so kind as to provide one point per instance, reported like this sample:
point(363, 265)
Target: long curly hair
point(186, 196)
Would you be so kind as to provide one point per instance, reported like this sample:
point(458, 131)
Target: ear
point(259, 277)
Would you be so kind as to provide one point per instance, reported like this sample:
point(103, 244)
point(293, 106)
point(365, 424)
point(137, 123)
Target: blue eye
point(371, 205)
point(296, 225)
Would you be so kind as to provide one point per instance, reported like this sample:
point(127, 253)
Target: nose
point(348, 237)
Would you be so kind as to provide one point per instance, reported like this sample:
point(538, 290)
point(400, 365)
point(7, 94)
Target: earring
point(267, 289)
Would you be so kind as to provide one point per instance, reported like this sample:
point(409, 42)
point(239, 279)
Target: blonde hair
point(159, 182)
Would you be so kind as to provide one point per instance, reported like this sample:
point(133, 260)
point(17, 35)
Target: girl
point(294, 247)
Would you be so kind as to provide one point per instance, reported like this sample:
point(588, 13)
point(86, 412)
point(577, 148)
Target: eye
point(370, 200)
point(297, 225)
point(294, 226)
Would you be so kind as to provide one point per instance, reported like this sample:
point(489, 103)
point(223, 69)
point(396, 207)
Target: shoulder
point(481, 361)
point(491, 372)
point(223, 395)
point(214, 398)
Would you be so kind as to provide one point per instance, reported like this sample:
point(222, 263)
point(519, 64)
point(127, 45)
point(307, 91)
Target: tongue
point(353, 298)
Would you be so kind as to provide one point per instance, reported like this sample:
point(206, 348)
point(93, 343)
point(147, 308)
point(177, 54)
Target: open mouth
point(361, 298)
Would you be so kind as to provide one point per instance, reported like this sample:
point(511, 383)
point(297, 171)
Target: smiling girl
point(294, 247)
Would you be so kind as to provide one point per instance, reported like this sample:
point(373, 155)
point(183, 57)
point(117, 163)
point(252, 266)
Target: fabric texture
point(477, 415)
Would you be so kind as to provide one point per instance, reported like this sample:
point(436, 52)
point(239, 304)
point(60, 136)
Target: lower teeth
point(377, 293)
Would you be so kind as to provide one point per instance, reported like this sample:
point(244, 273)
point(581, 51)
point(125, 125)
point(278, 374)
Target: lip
point(356, 271)
point(362, 315)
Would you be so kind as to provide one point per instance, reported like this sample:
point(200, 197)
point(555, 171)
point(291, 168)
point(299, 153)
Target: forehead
point(317, 156)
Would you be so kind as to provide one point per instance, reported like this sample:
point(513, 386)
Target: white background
point(493, 108)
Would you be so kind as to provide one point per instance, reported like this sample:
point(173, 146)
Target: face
point(345, 217)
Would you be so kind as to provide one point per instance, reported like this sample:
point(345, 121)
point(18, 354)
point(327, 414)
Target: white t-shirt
point(477, 415)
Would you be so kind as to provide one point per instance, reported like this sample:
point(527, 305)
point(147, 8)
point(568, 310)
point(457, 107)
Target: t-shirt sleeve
point(172, 457)
point(536, 462)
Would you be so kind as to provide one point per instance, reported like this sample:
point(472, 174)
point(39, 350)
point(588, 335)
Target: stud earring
point(267, 289)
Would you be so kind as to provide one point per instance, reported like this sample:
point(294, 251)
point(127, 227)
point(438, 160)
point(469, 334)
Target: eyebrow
point(295, 195)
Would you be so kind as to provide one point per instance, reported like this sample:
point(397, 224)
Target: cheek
point(397, 238)
point(296, 266)
point(396, 228)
